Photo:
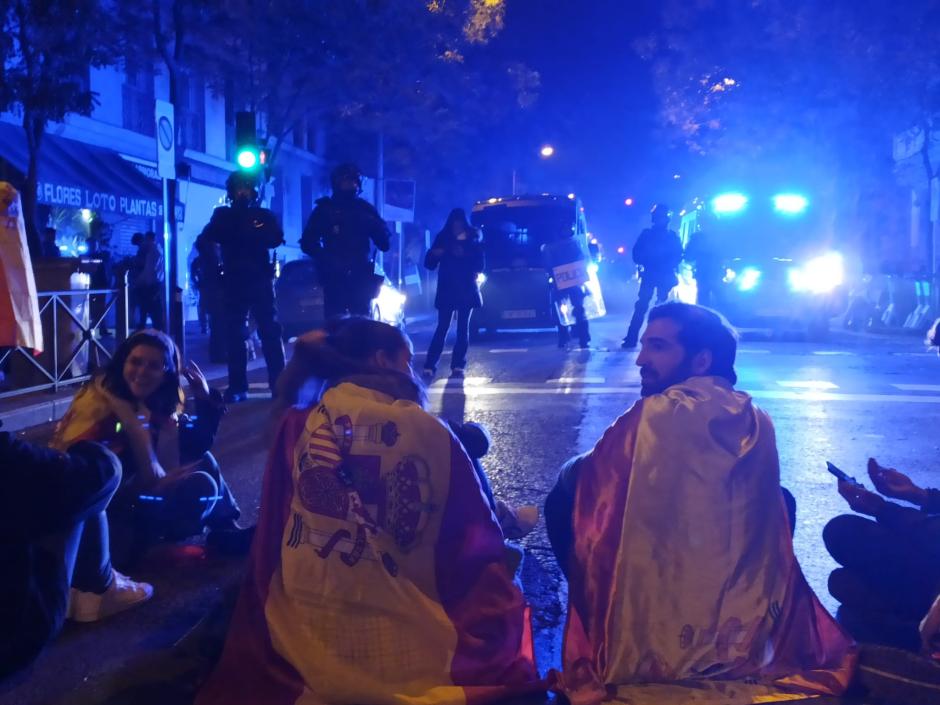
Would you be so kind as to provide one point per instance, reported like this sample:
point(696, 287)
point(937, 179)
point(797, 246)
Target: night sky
point(596, 106)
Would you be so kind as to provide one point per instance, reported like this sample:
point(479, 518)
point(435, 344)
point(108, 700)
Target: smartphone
point(840, 474)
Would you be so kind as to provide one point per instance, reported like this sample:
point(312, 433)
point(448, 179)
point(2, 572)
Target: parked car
point(300, 299)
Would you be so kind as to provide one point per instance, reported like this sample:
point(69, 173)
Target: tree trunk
point(34, 127)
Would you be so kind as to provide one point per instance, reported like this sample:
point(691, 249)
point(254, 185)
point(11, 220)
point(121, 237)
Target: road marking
point(576, 380)
point(257, 385)
point(752, 351)
point(778, 394)
point(832, 352)
point(812, 384)
point(509, 350)
point(918, 387)
point(458, 381)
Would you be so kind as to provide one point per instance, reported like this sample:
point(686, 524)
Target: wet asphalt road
point(843, 400)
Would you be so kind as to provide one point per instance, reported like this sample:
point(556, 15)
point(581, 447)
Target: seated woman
point(378, 572)
point(171, 486)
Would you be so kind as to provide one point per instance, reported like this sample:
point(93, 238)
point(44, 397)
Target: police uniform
point(658, 251)
point(339, 237)
point(557, 254)
point(245, 234)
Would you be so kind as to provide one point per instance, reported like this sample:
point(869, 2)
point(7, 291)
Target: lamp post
point(546, 151)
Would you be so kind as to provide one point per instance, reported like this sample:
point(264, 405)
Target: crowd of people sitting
point(379, 570)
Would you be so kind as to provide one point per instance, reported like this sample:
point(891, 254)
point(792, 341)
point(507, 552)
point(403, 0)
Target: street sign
point(166, 140)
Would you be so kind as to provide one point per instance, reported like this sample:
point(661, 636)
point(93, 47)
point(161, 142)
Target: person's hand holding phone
point(892, 483)
point(860, 499)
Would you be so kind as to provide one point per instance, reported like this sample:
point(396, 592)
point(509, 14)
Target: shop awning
point(77, 175)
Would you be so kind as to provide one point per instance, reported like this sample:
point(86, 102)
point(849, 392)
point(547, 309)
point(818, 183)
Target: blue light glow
point(790, 203)
point(729, 202)
point(818, 276)
point(748, 278)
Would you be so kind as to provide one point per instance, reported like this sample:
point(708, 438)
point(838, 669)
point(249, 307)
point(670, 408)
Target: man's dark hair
point(700, 329)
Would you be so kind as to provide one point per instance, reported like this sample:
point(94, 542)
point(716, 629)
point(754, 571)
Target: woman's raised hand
point(197, 381)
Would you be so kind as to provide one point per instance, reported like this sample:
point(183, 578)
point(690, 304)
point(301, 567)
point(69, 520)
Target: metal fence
point(76, 336)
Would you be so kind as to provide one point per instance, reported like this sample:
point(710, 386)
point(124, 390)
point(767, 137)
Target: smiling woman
point(171, 486)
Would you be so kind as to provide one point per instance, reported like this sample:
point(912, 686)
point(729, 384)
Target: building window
point(191, 112)
point(137, 98)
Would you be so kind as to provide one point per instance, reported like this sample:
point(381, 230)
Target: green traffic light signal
point(248, 158)
point(247, 154)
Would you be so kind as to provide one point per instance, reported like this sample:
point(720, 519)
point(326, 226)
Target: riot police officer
point(245, 233)
point(658, 252)
point(566, 264)
point(703, 254)
point(339, 237)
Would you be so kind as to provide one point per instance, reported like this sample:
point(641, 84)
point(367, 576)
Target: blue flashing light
point(748, 278)
point(790, 203)
point(729, 203)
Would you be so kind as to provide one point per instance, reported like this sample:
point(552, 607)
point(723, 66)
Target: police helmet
point(660, 213)
point(238, 181)
point(346, 172)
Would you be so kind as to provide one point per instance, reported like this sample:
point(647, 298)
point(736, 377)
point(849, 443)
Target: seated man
point(53, 534)
point(674, 535)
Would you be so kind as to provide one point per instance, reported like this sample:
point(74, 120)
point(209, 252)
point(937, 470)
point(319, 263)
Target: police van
point(516, 286)
point(780, 273)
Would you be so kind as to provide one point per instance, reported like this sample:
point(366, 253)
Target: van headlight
point(748, 278)
point(820, 275)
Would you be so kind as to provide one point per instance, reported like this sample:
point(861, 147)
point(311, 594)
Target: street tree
point(415, 72)
point(832, 81)
point(47, 51)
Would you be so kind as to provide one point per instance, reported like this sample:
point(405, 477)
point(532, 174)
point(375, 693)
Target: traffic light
point(248, 155)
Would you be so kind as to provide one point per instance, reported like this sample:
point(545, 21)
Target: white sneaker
point(122, 594)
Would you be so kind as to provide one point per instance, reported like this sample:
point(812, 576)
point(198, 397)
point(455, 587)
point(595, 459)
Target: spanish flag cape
point(683, 586)
point(19, 303)
point(377, 573)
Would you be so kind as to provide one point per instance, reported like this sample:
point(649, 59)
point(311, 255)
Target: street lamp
point(546, 152)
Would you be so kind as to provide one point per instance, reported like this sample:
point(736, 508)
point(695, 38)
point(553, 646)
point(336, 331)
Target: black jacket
point(245, 235)
point(659, 252)
point(460, 263)
point(339, 236)
point(43, 493)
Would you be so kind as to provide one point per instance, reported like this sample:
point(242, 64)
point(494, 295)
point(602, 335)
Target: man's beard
point(653, 384)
